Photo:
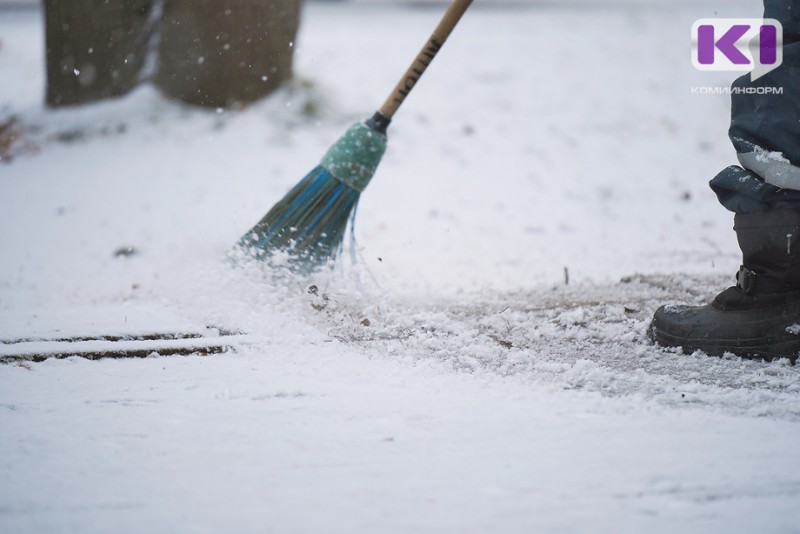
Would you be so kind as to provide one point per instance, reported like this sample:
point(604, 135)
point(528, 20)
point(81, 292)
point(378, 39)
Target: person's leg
point(760, 316)
point(765, 129)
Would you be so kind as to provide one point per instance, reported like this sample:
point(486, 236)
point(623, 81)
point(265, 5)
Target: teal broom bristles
point(310, 221)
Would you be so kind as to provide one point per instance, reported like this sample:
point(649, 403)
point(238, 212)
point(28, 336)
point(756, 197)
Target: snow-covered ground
point(450, 380)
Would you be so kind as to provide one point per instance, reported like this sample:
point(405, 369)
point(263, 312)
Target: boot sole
point(745, 348)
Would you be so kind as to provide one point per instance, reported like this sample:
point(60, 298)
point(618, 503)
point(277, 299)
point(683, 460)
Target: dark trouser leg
point(765, 129)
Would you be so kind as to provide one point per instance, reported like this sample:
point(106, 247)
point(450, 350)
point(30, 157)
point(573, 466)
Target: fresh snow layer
point(449, 380)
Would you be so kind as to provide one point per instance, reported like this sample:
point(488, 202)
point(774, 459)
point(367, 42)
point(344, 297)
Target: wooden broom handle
point(424, 58)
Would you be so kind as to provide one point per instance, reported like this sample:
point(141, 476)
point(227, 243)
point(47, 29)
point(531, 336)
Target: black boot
point(759, 317)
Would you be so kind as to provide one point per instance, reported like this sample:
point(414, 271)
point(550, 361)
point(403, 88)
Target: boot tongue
point(731, 299)
point(734, 299)
point(753, 291)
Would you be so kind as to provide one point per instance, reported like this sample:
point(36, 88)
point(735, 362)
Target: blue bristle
point(336, 194)
point(309, 221)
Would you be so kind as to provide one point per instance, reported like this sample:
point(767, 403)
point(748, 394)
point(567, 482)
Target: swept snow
point(449, 381)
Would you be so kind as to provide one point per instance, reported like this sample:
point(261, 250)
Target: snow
point(765, 156)
point(449, 381)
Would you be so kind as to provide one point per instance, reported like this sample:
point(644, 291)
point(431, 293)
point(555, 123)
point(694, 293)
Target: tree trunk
point(95, 48)
point(222, 53)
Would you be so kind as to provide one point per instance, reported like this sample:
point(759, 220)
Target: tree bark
point(222, 53)
point(95, 48)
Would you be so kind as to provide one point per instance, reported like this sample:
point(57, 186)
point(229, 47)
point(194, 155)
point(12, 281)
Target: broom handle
point(424, 58)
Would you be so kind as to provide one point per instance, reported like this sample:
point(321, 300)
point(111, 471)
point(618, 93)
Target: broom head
point(310, 221)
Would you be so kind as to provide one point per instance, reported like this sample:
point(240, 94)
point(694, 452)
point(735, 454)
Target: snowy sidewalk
point(316, 438)
point(451, 381)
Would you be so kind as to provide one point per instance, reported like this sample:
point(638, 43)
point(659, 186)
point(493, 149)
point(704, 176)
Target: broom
point(310, 221)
